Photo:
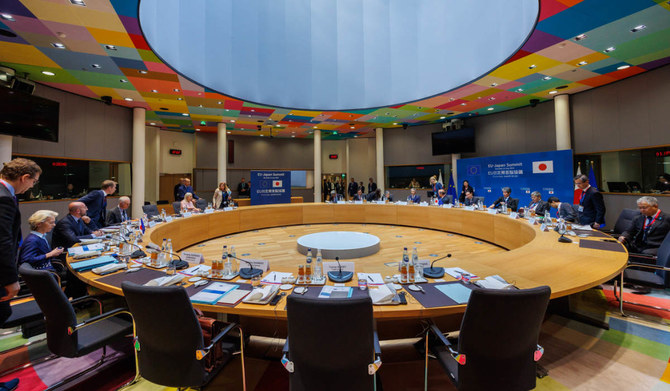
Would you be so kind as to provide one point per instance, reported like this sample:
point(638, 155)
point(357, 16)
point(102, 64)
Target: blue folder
point(89, 264)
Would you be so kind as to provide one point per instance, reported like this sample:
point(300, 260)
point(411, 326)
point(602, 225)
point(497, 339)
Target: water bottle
point(309, 255)
point(547, 218)
point(227, 266)
point(318, 266)
point(233, 259)
point(405, 258)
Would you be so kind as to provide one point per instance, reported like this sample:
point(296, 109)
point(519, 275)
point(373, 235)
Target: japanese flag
point(276, 183)
point(543, 167)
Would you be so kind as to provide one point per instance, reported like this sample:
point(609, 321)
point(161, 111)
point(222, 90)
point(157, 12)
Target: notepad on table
point(213, 293)
point(336, 292)
point(455, 292)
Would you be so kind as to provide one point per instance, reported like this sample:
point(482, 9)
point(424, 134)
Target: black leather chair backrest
point(150, 210)
point(55, 306)
point(450, 199)
point(623, 222)
point(177, 207)
point(663, 259)
point(476, 199)
point(499, 335)
point(169, 334)
point(331, 343)
point(201, 203)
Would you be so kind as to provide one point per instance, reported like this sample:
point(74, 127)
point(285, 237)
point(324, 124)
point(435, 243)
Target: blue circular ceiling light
point(339, 54)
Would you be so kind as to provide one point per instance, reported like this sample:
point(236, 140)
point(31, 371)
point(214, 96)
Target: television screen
point(25, 115)
point(454, 141)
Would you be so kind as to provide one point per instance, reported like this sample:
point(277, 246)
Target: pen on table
point(420, 289)
point(370, 278)
point(274, 277)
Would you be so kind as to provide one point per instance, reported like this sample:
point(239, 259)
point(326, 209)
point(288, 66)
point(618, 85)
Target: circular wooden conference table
point(533, 258)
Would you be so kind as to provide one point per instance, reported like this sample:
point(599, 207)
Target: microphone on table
point(178, 263)
point(435, 272)
point(340, 276)
point(247, 272)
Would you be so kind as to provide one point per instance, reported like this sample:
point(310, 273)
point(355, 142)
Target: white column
point(139, 143)
point(317, 165)
point(562, 115)
point(379, 138)
point(5, 149)
point(454, 159)
point(346, 168)
point(221, 153)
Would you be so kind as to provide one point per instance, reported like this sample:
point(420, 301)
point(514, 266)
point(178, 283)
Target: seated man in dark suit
point(387, 196)
point(537, 204)
point(564, 210)
point(334, 197)
point(591, 203)
point(442, 197)
point(359, 196)
point(413, 197)
point(119, 214)
point(647, 230)
point(96, 202)
point(71, 228)
point(374, 195)
point(511, 203)
point(469, 199)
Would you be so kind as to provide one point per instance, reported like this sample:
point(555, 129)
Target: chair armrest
point(285, 362)
point(642, 257)
point(285, 348)
point(648, 266)
point(87, 298)
point(201, 353)
point(378, 348)
point(460, 358)
point(98, 318)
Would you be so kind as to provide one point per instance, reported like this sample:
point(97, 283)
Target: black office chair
point(201, 203)
point(646, 271)
point(514, 204)
point(162, 202)
point(623, 221)
point(169, 340)
point(476, 199)
point(497, 344)
point(331, 344)
point(150, 210)
point(66, 337)
point(177, 207)
point(450, 199)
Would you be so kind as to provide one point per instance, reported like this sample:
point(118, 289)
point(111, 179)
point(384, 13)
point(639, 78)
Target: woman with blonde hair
point(221, 196)
point(35, 249)
point(187, 203)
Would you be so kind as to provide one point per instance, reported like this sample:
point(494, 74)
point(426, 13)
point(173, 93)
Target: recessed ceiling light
point(463, 104)
point(219, 102)
point(8, 17)
point(395, 123)
point(443, 117)
point(580, 37)
point(128, 99)
point(184, 114)
point(152, 123)
point(494, 84)
point(355, 136)
point(623, 67)
point(519, 89)
point(609, 49)
point(142, 71)
point(48, 73)
point(58, 45)
point(199, 105)
point(546, 78)
point(262, 135)
point(180, 98)
point(176, 90)
point(277, 126)
point(532, 66)
point(229, 132)
point(492, 98)
point(78, 2)
point(154, 91)
point(553, 92)
point(314, 127)
point(110, 47)
point(638, 28)
point(292, 136)
point(490, 108)
point(581, 63)
point(197, 130)
point(96, 66)
point(352, 127)
point(232, 120)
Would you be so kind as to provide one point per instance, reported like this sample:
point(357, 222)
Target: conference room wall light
point(48, 73)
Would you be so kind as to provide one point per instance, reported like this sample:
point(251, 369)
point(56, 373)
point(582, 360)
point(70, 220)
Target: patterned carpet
point(633, 355)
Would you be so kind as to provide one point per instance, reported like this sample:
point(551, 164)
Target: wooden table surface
point(534, 258)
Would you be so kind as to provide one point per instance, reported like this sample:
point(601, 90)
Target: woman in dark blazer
point(465, 188)
point(35, 248)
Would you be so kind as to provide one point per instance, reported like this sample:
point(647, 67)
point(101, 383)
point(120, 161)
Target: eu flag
point(451, 190)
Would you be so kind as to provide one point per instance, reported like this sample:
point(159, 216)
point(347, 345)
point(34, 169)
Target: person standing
point(177, 190)
point(591, 204)
point(96, 202)
point(243, 189)
point(16, 177)
point(353, 188)
point(464, 189)
point(372, 186)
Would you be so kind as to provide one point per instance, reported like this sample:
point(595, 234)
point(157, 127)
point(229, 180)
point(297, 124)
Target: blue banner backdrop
point(550, 173)
point(270, 187)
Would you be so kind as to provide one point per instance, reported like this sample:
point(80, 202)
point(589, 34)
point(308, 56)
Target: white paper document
point(371, 278)
point(275, 277)
point(494, 282)
point(381, 294)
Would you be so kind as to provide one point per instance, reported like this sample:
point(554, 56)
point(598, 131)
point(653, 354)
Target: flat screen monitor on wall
point(454, 141)
point(25, 115)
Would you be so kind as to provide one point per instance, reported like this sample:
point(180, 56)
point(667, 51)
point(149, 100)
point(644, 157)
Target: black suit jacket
point(68, 232)
point(353, 188)
point(10, 236)
point(96, 202)
point(594, 207)
point(372, 187)
point(656, 233)
point(461, 198)
point(512, 203)
point(541, 207)
point(566, 212)
point(114, 216)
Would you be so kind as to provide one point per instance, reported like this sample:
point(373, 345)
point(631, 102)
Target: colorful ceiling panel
point(95, 48)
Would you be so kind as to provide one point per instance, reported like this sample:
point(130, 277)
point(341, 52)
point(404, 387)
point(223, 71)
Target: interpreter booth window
point(641, 171)
point(73, 178)
point(418, 176)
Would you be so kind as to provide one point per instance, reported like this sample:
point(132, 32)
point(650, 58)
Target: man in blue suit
point(591, 204)
point(71, 228)
point(96, 202)
point(186, 188)
point(413, 197)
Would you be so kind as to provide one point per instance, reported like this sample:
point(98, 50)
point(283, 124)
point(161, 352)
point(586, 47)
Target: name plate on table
point(401, 203)
point(532, 220)
point(341, 202)
point(424, 263)
point(469, 207)
point(152, 224)
point(168, 219)
point(448, 206)
point(423, 203)
point(227, 208)
point(187, 214)
point(513, 215)
point(72, 251)
point(492, 211)
point(358, 202)
point(208, 211)
point(194, 258)
point(333, 267)
point(257, 263)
